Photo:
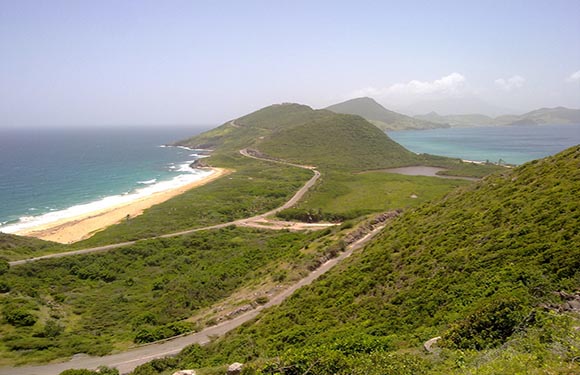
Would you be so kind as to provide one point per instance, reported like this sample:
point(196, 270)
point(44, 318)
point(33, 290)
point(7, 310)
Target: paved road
point(128, 360)
point(254, 221)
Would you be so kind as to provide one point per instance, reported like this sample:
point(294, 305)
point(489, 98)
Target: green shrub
point(101, 370)
point(19, 317)
point(4, 266)
point(4, 287)
point(151, 334)
point(262, 300)
point(488, 327)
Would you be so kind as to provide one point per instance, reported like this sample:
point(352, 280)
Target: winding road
point(258, 221)
point(127, 361)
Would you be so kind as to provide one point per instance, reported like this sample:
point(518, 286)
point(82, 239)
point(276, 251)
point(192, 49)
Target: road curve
point(241, 222)
point(128, 360)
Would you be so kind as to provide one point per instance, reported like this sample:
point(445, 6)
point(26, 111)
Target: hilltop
point(381, 117)
point(492, 268)
point(542, 116)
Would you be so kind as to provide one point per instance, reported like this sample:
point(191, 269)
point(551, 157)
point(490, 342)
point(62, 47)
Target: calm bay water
point(512, 144)
point(49, 170)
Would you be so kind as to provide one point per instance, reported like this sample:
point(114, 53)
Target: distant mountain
point(457, 106)
point(457, 120)
point(381, 117)
point(549, 116)
point(542, 116)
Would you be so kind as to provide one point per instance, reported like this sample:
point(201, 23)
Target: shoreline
point(82, 226)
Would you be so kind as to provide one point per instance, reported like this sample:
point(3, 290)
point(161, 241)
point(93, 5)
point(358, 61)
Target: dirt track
point(127, 361)
point(258, 221)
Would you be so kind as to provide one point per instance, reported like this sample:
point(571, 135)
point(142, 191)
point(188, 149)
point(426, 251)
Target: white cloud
point(450, 85)
point(574, 77)
point(511, 83)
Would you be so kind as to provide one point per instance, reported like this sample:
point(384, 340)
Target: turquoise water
point(56, 172)
point(512, 144)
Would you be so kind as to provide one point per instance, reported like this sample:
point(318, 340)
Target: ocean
point(49, 174)
point(511, 144)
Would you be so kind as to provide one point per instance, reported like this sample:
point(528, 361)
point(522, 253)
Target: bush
point(488, 327)
point(151, 334)
point(4, 287)
point(19, 317)
point(262, 300)
point(102, 370)
point(4, 266)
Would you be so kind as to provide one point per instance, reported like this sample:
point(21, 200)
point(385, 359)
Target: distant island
point(542, 116)
point(386, 119)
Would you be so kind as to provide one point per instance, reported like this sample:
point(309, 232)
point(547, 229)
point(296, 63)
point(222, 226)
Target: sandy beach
point(83, 226)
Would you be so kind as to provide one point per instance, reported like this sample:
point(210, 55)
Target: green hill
point(338, 142)
point(300, 134)
point(490, 268)
point(381, 117)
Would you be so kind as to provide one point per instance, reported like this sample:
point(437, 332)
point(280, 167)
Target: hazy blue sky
point(203, 62)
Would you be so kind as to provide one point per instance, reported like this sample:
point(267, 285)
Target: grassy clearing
point(347, 195)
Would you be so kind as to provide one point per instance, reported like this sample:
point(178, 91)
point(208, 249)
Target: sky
point(88, 63)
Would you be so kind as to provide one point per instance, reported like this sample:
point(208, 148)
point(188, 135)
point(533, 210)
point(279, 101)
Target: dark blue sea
point(46, 174)
point(511, 144)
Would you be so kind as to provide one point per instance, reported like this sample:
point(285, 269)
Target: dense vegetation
point(141, 293)
point(479, 268)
